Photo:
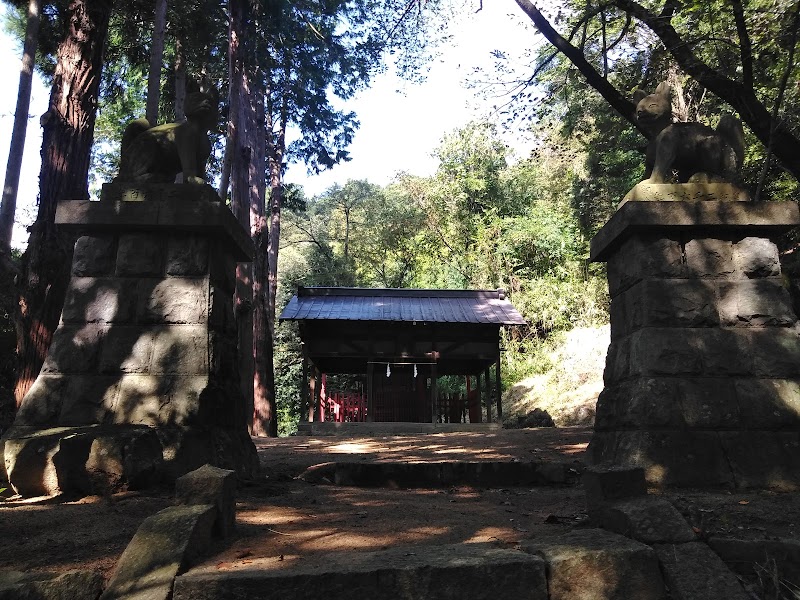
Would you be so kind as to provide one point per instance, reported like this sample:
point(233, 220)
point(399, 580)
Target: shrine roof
point(401, 305)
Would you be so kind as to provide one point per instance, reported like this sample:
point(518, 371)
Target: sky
point(402, 123)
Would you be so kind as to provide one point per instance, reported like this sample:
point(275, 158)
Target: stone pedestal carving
point(141, 381)
point(702, 379)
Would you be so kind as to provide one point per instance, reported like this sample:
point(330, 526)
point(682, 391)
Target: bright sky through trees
point(401, 122)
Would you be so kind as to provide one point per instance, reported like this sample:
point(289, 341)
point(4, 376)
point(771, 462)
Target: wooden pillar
point(312, 388)
point(476, 410)
point(304, 387)
point(434, 393)
point(370, 394)
point(488, 399)
point(497, 386)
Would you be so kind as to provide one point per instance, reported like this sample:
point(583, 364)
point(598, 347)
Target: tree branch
point(618, 102)
point(745, 45)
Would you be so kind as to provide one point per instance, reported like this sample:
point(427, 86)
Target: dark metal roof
point(402, 305)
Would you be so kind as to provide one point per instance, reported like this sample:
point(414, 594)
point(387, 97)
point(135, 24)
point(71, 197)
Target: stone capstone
point(693, 572)
point(163, 546)
point(211, 485)
point(593, 564)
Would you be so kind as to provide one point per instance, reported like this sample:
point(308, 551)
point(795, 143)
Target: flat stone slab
point(449, 572)
point(162, 547)
point(318, 428)
point(647, 520)
point(72, 585)
point(693, 572)
point(442, 473)
point(666, 216)
point(592, 564)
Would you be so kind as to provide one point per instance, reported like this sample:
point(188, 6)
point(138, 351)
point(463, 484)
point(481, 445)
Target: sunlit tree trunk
point(156, 62)
point(180, 80)
point(68, 129)
point(245, 150)
point(8, 208)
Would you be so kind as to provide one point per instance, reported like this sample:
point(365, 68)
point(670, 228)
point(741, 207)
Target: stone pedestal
point(702, 378)
point(141, 381)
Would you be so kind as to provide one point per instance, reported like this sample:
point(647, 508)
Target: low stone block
point(756, 303)
point(99, 300)
point(211, 485)
point(707, 403)
point(176, 300)
point(693, 572)
point(139, 254)
point(669, 457)
point(124, 459)
point(661, 351)
point(763, 459)
point(127, 349)
point(597, 565)
point(74, 349)
point(770, 404)
point(180, 349)
point(675, 303)
point(29, 464)
point(163, 546)
point(709, 257)
point(47, 462)
point(187, 255)
point(447, 572)
point(42, 404)
point(756, 257)
point(645, 402)
point(94, 255)
point(158, 400)
point(88, 400)
point(646, 519)
point(71, 585)
point(603, 485)
point(775, 351)
point(643, 256)
point(745, 556)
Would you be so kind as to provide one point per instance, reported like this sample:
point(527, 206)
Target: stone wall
point(702, 379)
point(147, 338)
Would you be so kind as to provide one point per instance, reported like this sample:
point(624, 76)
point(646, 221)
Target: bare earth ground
point(282, 520)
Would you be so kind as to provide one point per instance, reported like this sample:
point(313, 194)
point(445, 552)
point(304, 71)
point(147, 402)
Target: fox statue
point(157, 154)
point(693, 150)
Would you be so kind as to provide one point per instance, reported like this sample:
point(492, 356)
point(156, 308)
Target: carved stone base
point(146, 346)
point(702, 378)
point(645, 191)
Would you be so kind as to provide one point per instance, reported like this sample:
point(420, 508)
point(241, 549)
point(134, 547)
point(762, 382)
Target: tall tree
point(156, 61)
point(8, 206)
point(68, 127)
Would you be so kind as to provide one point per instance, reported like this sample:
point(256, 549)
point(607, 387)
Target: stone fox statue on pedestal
point(688, 148)
point(157, 154)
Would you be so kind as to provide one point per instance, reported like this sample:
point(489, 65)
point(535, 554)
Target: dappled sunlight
point(493, 534)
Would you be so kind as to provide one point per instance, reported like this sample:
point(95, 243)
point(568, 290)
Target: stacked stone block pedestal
point(141, 380)
point(702, 378)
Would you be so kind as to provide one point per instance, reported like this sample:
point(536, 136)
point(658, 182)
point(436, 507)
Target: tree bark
point(156, 62)
point(68, 130)
point(180, 80)
point(8, 208)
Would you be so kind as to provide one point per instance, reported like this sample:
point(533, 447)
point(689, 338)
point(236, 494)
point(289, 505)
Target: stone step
point(403, 474)
point(589, 564)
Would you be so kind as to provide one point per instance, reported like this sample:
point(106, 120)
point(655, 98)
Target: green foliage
point(477, 223)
